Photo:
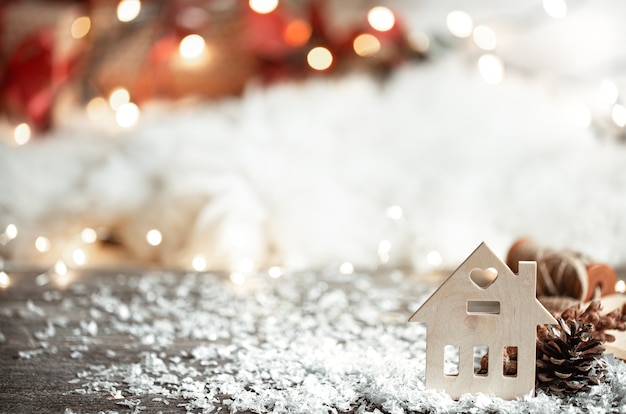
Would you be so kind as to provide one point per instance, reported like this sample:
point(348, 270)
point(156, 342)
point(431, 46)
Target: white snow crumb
point(312, 342)
point(28, 354)
point(30, 305)
point(91, 328)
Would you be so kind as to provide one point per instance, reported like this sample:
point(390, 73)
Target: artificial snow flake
point(318, 342)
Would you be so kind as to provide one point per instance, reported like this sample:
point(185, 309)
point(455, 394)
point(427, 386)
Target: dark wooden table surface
point(38, 368)
point(51, 330)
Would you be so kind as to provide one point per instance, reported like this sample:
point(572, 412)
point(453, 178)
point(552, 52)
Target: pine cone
point(591, 315)
point(569, 358)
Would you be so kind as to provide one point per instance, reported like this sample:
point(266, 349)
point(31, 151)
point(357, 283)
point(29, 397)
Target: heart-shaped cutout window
point(483, 278)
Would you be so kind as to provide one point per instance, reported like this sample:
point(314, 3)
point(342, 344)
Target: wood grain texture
point(448, 322)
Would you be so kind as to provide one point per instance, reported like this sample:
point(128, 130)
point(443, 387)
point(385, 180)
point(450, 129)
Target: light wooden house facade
point(483, 304)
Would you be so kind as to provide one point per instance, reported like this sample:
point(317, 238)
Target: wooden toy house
point(483, 305)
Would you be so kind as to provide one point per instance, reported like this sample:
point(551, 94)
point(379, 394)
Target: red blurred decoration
point(143, 57)
point(32, 75)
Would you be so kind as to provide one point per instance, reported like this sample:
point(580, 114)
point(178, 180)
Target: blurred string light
point(118, 97)
point(154, 237)
point(609, 91)
point(192, 46)
point(238, 278)
point(381, 18)
point(394, 212)
point(620, 286)
point(460, 23)
point(618, 113)
point(60, 274)
point(346, 268)
point(491, 68)
point(319, 58)
point(88, 235)
point(384, 248)
point(263, 6)
point(434, 259)
point(79, 257)
point(127, 115)
point(366, 45)
point(297, 33)
point(128, 10)
point(199, 263)
point(10, 231)
point(60, 268)
point(97, 108)
point(555, 8)
point(42, 244)
point(245, 265)
point(80, 27)
point(419, 41)
point(484, 37)
point(22, 133)
point(275, 272)
point(5, 281)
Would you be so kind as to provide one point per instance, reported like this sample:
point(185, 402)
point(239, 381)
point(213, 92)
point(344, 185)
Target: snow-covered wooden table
point(154, 341)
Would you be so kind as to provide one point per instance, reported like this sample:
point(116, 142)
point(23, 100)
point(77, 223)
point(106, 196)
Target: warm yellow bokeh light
point(10, 231)
point(198, 263)
point(346, 268)
point(88, 235)
point(366, 45)
point(297, 33)
point(620, 286)
point(491, 68)
point(22, 134)
point(97, 108)
point(263, 6)
point(79, 257)
point(154, 237)
point(434, 258)
point(128, 10)
point(42, 244)
point(5, 281)
point(80, 27)
point(118, 97)
point(555, 8)
point(381, 18)
point(419, 41)
point(484, 37)
point(619, 115)
point(60, 268)
point(319, 58)
point(394, 212)
point(245, 265)
point(609, 91)
point(191, 46)
point(460, 23)
point(238, 278)
point(275, 272)
point(127, 115)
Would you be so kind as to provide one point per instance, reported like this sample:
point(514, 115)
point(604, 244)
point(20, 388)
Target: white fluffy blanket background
point(303, 174)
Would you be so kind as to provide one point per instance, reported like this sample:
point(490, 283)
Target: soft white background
point(302, 174)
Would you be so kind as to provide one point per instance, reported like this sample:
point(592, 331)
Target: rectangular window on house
point(509, 361)
point(451, 360)
point(483, 307)
point(481, 360)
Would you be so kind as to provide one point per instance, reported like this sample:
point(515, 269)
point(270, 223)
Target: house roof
point(466, 283)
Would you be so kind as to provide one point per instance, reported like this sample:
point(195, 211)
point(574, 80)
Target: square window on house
point(451, 360)
point(481, 360)
point(509, 361)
